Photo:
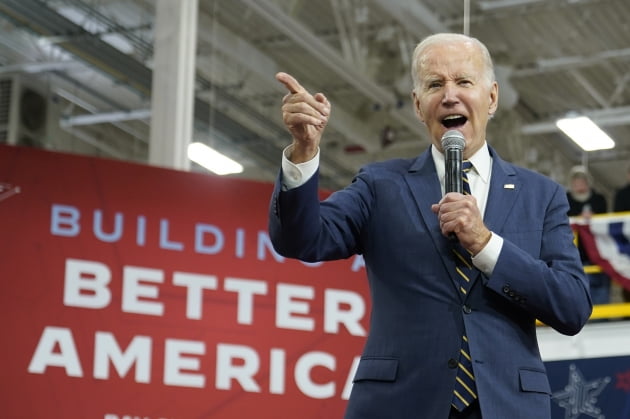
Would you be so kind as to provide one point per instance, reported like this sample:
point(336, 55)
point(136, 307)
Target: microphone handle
point(453, 178)
point(453, 165)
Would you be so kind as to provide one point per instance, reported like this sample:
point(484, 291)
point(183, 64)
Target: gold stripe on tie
point(468, 373)
point(466, 167)
point(467, 184)
point(462, 259)
point(463, 275)
point(463, 400)
point(472, 393)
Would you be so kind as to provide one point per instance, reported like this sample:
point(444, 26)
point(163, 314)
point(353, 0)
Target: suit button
point(467, 309)
point(452, 363)
point(506, 289)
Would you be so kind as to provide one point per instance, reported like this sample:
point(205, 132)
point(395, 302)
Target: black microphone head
point(453, 139)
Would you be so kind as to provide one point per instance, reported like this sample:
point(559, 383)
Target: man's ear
point(416, 106)
point(494, 98)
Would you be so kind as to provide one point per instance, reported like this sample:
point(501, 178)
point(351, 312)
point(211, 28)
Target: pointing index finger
point(290, 83)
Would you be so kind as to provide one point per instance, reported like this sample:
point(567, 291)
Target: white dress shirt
point(295, 175)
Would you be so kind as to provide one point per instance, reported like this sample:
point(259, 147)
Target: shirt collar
point(481, 161)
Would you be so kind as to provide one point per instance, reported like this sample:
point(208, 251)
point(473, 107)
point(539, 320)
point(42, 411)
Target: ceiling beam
point(104, 118)
point(75, 100)
point(98, 144)
point(412, 13)
point(621, 85)
point(38, 17)
point(41, 67)
point(487, 6)
point(331, 58)
point(589, 88)
point(232, 45)
point(570, 62)
point(264, 67)
point(41, 19)
point(344, 37)
point(321, 50)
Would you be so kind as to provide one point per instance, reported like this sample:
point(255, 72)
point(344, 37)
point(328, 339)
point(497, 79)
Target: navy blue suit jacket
point(418, 315)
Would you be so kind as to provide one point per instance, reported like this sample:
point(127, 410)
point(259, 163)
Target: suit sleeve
point(302, 227)
point(551, 286)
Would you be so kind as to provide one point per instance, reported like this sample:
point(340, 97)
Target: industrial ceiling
point(94, 58)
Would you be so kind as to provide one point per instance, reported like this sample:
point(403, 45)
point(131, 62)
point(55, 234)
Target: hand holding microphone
point(458, 214)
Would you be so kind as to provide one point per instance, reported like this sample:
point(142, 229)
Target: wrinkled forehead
point(449, 59)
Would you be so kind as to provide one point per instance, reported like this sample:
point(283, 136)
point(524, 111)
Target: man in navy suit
point(427, 329)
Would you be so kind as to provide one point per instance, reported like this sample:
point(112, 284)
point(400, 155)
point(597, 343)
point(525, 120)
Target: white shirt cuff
point(487, 259)
point(294, 175)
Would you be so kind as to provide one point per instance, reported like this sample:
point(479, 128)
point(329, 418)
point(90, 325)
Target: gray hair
point(442, 38)
point(580, 172)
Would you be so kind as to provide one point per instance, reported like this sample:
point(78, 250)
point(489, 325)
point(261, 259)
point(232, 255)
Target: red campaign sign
point(131, 291)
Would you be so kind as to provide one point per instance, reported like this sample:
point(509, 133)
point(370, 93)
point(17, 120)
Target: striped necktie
point(465, 390)
point(466, 167)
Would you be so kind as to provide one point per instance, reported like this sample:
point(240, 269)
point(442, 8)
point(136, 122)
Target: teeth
point(453, 117)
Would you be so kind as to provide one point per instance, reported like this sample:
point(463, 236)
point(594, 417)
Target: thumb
point(290, 83)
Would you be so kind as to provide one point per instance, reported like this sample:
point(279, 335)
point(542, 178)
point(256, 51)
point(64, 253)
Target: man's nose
point(450, 94)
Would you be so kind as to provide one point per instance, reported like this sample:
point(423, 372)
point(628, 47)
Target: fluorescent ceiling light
point(585, 133)
point(212, 159)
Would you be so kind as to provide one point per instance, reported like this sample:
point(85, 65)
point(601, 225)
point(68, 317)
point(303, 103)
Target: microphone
point(453, 144)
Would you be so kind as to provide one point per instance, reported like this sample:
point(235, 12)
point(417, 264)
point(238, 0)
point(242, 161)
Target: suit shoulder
point(400, 165)
point(530, 175)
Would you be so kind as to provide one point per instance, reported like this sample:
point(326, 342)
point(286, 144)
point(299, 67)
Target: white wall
point(596, 340)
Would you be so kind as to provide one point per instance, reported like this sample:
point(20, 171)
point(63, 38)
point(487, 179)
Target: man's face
point(579, 186)
point(454, 93)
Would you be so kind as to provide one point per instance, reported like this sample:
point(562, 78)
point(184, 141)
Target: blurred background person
point(622, 203)
point(585, 201)
point(622, 196)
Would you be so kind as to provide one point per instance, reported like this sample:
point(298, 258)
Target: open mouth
point(454, 121)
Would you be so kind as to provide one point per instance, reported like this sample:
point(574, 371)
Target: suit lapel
point(425, 188)
point(504, 188)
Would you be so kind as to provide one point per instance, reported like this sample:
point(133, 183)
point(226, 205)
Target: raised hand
point(305, 116)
